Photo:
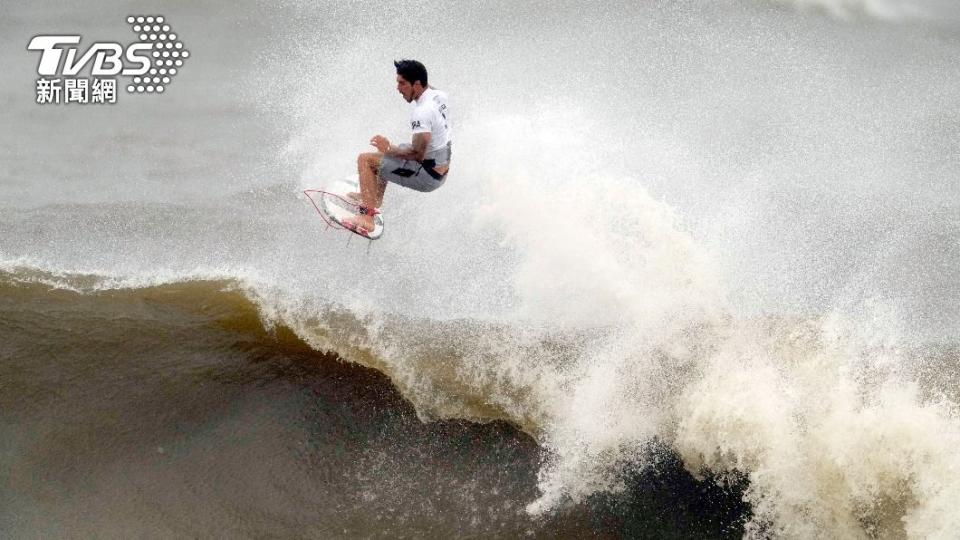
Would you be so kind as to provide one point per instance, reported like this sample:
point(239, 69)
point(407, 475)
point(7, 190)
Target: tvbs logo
point(107, 57)
point(151, 63)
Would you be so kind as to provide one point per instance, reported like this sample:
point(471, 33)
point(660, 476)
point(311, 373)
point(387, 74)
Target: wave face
point(171, 409)
point(678, 228)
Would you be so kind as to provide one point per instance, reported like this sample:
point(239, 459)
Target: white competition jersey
point(431, 115)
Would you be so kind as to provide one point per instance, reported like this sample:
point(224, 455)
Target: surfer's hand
point(381, 143)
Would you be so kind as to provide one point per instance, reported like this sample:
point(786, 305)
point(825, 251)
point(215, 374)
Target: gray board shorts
point(419, 176)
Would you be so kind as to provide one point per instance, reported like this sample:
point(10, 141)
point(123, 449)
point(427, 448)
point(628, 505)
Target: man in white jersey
point(422, 165)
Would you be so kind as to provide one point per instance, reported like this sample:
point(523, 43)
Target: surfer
point(421, 165)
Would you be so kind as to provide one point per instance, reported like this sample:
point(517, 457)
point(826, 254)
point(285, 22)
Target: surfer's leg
point(381, 189)
point(371, 186)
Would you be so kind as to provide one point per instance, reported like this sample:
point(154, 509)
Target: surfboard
point(334, 206)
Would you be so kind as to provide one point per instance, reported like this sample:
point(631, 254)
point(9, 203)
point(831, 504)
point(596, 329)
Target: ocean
point(693, 275)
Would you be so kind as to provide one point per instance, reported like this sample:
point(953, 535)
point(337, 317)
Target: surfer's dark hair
point(412, 71)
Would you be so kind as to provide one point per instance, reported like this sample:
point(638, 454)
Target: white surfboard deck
point(335, 204)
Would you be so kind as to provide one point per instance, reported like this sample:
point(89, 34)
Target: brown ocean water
point(171, 411)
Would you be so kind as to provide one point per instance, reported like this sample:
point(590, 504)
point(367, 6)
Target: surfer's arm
point(416, 151)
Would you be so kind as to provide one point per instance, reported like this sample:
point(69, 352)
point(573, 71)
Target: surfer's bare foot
point(361, 221)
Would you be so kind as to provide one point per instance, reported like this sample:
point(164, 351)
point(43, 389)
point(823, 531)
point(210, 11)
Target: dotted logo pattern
point(168, 53)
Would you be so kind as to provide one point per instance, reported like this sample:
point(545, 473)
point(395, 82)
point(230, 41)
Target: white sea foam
point(819, 413)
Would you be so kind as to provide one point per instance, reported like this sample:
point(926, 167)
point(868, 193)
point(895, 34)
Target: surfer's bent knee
point(372, 159)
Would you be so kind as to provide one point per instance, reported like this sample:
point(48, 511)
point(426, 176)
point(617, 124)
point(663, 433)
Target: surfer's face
point(407, 90)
